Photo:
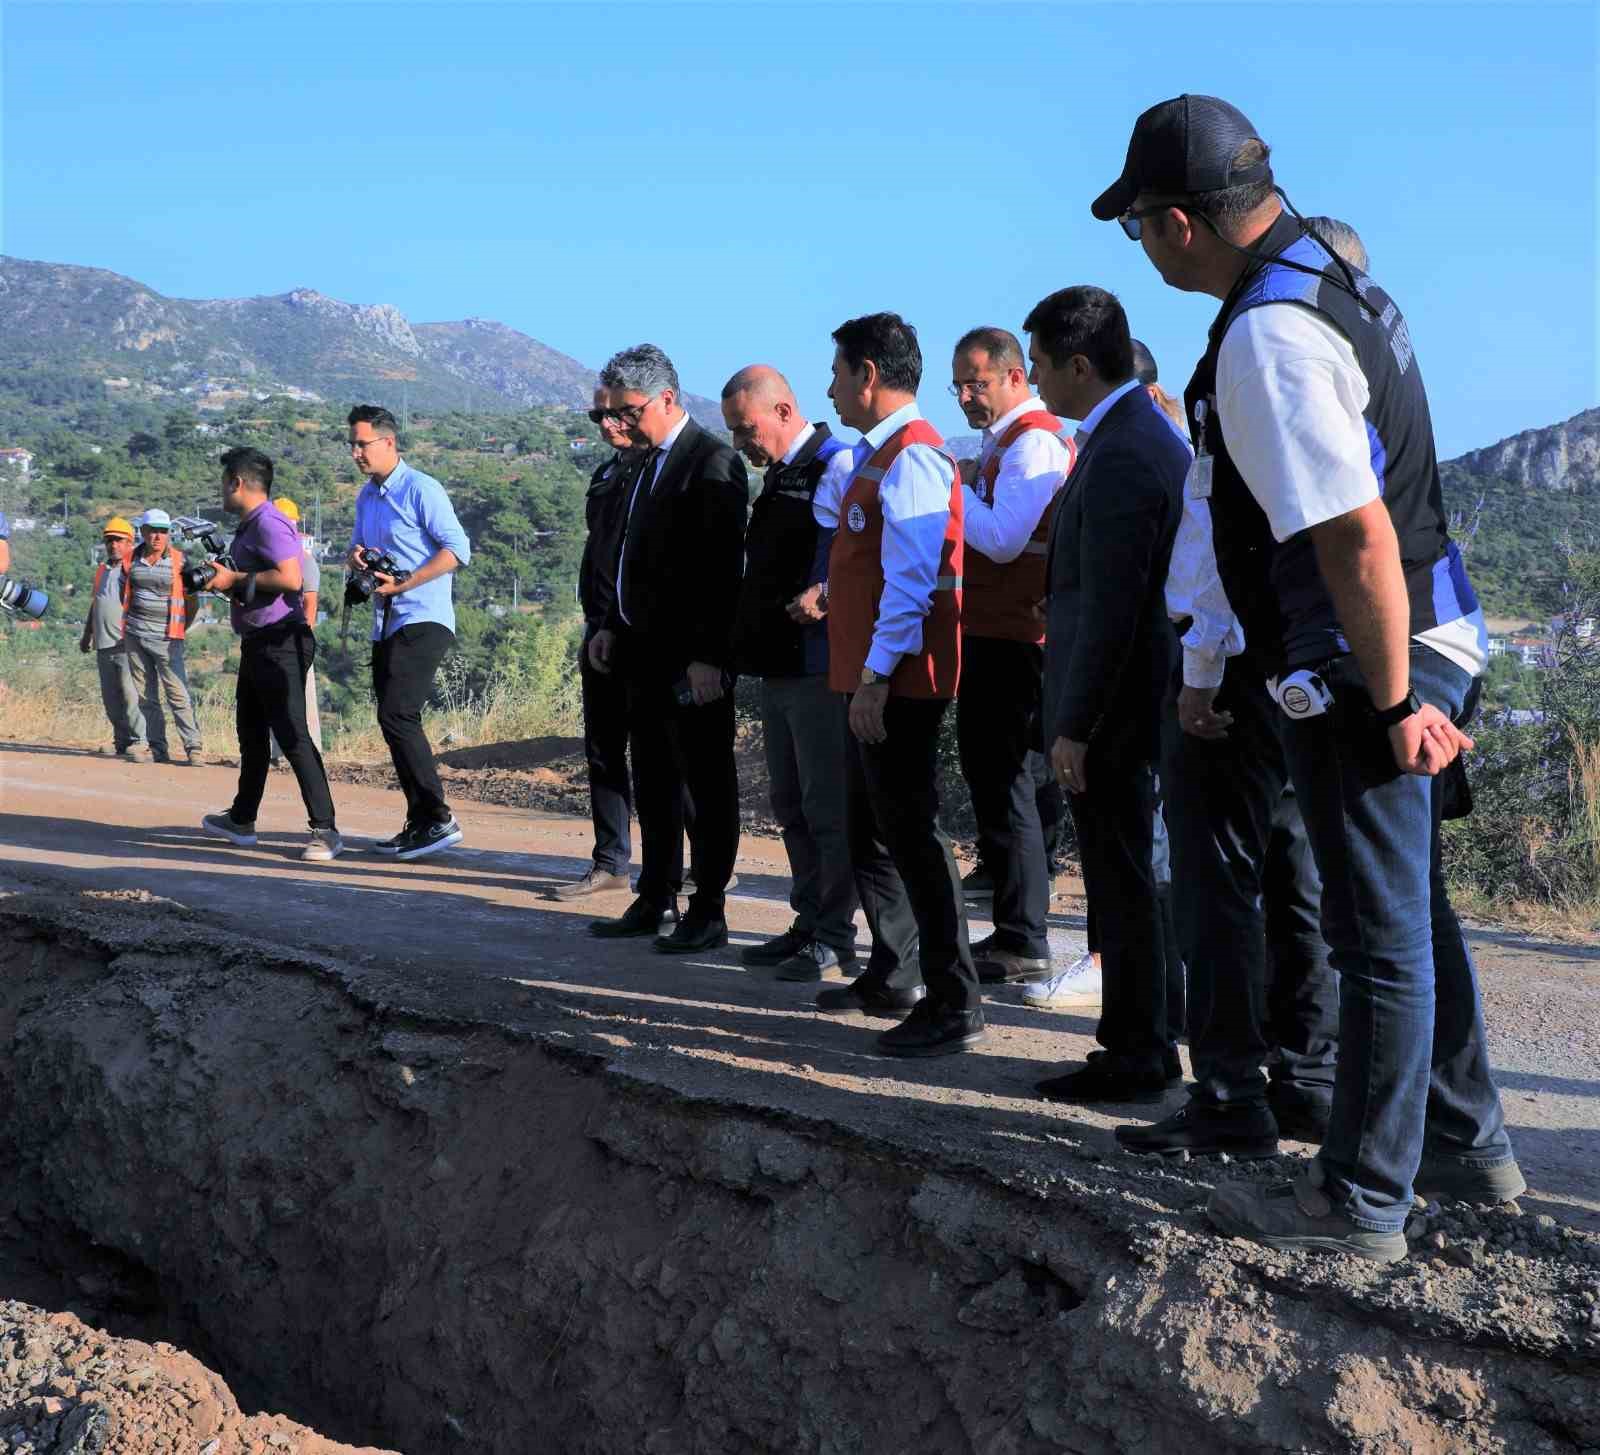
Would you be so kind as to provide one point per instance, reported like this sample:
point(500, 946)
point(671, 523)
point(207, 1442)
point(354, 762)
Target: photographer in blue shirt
point(406, 515)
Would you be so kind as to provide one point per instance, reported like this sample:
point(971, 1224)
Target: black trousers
point(605, 747)
point(403, 667)
point(270, 699)
point(1247, 899)
point(901, 777)
point(1114, 820)
point(677, 751)
point(998, 701)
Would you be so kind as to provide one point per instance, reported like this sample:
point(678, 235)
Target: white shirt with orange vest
point(915, 495)
point(1031, 471)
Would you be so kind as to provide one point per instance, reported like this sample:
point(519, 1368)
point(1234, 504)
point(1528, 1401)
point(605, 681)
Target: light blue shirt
point(915, 496)
point(1103, 408)
point(410, 517)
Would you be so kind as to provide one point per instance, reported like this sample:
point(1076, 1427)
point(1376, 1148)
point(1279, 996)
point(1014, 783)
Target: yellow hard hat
point(287, 507)
point(117, 526)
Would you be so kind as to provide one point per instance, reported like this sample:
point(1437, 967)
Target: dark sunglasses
point(627, 415)
point(1133, 222)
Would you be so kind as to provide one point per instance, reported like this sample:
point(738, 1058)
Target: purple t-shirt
point(265, 537)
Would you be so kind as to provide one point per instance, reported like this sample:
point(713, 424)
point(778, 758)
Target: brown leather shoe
point(596, 881)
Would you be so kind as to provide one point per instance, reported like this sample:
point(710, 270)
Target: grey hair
point(1342, 238)
point(643, 369)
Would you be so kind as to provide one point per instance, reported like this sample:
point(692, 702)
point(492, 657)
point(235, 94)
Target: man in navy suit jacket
point(1109, 653)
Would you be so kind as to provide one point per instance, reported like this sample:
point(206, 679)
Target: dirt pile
point(66, 1389)
point(459, 1235)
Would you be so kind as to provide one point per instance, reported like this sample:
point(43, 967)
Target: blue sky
point(732, 181)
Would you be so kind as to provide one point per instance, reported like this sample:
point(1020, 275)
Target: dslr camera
point(198, 575)
point(21, 599)
point(362, 582)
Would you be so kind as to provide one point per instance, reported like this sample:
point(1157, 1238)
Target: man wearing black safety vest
point(1009, 503)
point(1316, 451)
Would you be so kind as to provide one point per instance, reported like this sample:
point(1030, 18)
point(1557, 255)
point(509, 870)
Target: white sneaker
point(1078, 984)
point(322, 846)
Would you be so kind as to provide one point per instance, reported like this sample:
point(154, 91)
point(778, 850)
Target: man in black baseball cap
point(1316, 454)
point(1183, 147)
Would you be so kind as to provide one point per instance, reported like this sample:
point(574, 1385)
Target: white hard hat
point(157, 518)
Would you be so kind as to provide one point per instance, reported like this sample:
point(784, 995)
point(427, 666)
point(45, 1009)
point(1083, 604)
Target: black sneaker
point(392, 846)
point(428, 838)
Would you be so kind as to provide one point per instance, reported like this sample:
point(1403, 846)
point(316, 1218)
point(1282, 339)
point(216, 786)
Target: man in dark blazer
point(667, 634)
point(1109, 652)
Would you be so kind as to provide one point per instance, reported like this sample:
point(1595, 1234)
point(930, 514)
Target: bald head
point(759, 408)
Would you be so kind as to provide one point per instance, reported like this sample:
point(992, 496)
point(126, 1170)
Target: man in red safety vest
point(894, 645)
point(1009, 504)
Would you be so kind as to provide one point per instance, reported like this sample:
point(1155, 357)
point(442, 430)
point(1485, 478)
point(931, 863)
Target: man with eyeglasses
point(406, 515)
point(1316, 452)
point(1022, 464)
point(668, 636)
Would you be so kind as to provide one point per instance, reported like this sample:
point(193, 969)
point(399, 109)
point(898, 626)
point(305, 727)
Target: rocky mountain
point(1563, 457)
point(87, 321)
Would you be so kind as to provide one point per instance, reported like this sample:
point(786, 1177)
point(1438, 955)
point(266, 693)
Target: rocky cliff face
point(1562, 456)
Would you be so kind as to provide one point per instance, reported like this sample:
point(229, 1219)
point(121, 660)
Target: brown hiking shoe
point(596, 881)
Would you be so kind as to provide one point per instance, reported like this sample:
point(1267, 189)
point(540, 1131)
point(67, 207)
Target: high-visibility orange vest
point(999, 598)
point(855, 581)
point(176, 626)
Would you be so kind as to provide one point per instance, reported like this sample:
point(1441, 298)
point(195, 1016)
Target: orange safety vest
point(176, 625)
point(855, 581)
point(999, 599)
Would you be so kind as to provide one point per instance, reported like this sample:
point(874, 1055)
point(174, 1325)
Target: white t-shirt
point(1290, 396)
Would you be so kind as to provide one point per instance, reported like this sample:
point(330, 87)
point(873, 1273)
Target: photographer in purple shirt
point(261, 575)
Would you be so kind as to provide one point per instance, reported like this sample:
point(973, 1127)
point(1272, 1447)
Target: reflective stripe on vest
point(1000, 596)
point(176, 624)
point(855, 581)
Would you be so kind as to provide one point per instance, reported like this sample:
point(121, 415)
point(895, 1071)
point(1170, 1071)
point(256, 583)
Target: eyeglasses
point(358, 447)
point(1133, 221)
point(975, 387)
point(628, 415)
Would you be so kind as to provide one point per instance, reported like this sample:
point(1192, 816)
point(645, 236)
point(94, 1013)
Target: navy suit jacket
point(1109, 648)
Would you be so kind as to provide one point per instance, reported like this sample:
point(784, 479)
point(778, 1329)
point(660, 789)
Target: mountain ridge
point(79, 319)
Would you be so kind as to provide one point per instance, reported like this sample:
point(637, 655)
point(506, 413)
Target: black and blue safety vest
point(780, 550)
point(1275, 588)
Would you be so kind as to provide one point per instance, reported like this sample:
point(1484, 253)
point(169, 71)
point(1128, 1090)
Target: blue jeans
point(1413, 1061)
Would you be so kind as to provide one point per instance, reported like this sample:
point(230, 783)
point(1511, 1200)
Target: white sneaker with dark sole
point(428, 839)
point(221, 826)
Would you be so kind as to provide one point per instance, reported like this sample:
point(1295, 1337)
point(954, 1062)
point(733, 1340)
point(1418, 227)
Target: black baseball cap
point(1180, 148)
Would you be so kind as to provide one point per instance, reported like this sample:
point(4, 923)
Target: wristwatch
point(1409, 704)
point(869, 678)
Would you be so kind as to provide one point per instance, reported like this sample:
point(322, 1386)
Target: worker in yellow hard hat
point(102, 631)
point(311, 582)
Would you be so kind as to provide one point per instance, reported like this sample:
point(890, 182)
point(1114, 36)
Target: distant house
point(18, 461)
point(1497, 646)
point(1532, 651)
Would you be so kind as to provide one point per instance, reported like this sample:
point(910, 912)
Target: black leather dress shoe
point(1100, 1081)
point(693, 934)
point(638, 919)
point(933, 1030)
point(778, 949)
point(1171, 1066)
point(815, 961)
point(1302, 1116)
point(1204, 1129)
point(869, 998)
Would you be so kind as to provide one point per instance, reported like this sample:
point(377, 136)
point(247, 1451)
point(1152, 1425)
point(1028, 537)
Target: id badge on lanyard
point(1197, 484)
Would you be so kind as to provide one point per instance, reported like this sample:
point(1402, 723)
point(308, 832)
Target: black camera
point(198, 575)
point(21, 599)
point(362, 582)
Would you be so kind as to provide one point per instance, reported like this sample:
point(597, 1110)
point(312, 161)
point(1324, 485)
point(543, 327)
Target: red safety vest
point(855, 582)
point(999, 599)
point(176, 626)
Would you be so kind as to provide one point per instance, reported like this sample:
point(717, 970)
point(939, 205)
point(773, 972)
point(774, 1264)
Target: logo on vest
point(856, 519)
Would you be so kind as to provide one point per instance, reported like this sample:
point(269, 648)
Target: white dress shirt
point(1030, 473)
point(664, 449)
point(798, 445)
point(915, 497)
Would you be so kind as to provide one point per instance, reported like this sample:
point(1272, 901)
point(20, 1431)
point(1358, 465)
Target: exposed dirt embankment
point(445, 1236)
